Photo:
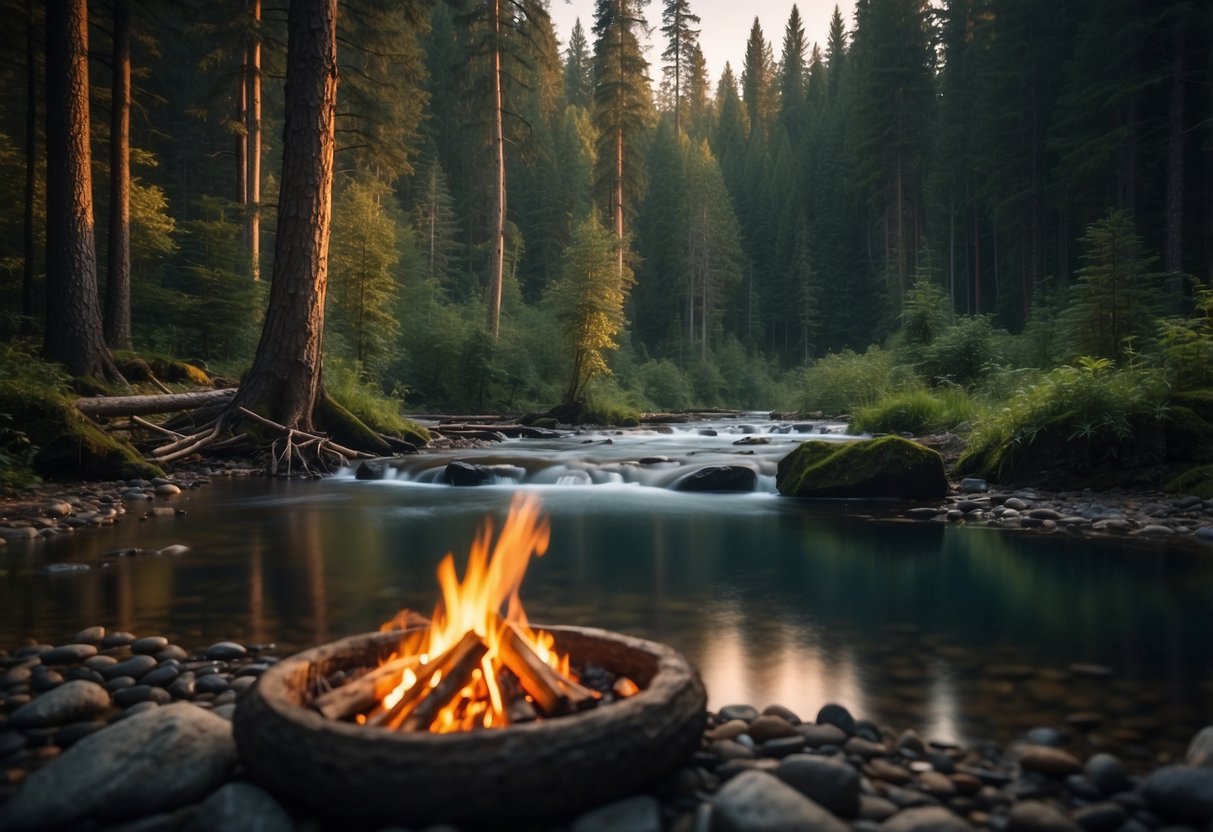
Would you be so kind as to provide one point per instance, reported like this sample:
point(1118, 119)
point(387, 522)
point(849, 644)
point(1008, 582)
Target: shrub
point(842, 382)
point(963, 354)
point(916, 412)
point(1074, 422)
point(663, 385)
point(378, 411)
point(1185, 345)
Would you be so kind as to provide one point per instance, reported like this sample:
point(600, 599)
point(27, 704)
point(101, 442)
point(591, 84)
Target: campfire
point(451, 717)
point(477, 663)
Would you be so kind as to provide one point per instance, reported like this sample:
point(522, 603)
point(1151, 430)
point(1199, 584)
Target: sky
point(724, 26)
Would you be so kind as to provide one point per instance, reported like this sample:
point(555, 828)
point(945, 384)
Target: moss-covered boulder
point(1197, 481)
point(888, 467)
point(69, 445)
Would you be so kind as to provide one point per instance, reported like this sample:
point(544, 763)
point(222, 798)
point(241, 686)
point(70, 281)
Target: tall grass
point(918, 411)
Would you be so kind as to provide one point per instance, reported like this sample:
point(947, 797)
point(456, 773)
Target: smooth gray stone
point(816, 736)
point(1107, 773)
point(747, 713)
point(926, 819)
point(90, 635)
point(149, 645)
point(134, 667)
point(226, 650)
point(1200, 752)
point(1181, 792)
point(241, 807)
point(833, 784)
point(70, 702)
point(755, 801)
point(837, 715)
point(142, 765)
point(633, 814)
point(69, 654)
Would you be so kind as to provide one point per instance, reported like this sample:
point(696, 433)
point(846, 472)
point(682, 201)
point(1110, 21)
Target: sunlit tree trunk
point(497, 264)
point(1173, 255)
point(252, 82)
point(284, 381)
point(73, 315)
point(31, 169)
point(118, 271)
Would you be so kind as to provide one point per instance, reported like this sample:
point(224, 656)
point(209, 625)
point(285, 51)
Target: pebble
point(1037, 816)
point(90, 635)
point(632, 814)
point(829, 782)
point(1200, 751)
point(147, 750)
point(69, 653)
point(117, 639)
point(1051, 761)
point(226, 650)
point(167, 490)
point(746, 713)
point(771, 727)
point(755, 801)
point(68, 702)
point(838, 716)
point(1107, 773)
point(1181, 792)
point(135, 667)
point(817, 736)
point(1101, 816)
point(149, 645)
point(925, 819)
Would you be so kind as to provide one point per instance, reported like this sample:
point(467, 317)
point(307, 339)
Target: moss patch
point(69, 445)
point(872, 468)
point(1197, 481)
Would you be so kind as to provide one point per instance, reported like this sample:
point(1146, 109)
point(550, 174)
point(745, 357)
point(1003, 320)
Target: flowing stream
point(960, 633)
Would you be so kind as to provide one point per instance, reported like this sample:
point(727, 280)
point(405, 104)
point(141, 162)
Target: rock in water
point(241, 806)
point(465, 473)
point(865, 469)
point(70, 702)
point(755, 801)
point(719, 478)
point(151, 762)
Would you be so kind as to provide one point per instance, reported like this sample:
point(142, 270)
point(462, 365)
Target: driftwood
point(146, 405)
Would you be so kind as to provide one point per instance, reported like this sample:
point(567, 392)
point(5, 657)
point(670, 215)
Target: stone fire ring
point(548, 769)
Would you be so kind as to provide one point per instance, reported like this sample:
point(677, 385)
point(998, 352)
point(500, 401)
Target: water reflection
point(957, 632)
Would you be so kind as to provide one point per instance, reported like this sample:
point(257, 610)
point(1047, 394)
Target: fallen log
point(145, 405)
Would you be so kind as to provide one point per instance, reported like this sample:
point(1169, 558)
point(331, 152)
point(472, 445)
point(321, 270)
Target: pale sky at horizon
point(724, 27)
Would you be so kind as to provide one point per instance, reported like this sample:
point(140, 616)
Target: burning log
point(466, 659)
point(364, 693)
point(456, 659)
point(553, 693)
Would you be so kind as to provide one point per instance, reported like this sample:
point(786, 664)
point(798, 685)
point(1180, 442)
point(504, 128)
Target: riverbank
point(134, 733)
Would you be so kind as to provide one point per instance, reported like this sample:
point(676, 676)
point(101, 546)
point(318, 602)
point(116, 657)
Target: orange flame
point(490, 583)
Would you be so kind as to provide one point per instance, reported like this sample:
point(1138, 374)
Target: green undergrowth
point(1091, 423)
point(918, 412)
point(375, 409)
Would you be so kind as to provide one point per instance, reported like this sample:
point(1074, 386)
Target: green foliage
point(917, 412)
point(964, 353)
point(1075, 421)
point(1185, 345)
point(841, 382)
point(925, 313)
point(345, 382)
point(662, 385)
point(588, 300)
point(362, 283)
point(1117, 297)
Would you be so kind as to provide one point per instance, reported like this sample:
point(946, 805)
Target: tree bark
point(1173, 253)
point(497, 264)
point(118, 272)
point(73, 315)
point(284, 381)
point(31, 169)
point(145, 405)
point(252, 81)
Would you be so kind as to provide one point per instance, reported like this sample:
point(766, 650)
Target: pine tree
point(793, 76)
point(622, 110)
point(578, 69)
point(758, 86)
point(589, 302)
point(682, 40)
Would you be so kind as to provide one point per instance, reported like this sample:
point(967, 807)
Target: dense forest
point(518, 222)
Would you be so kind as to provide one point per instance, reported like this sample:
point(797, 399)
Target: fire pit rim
point(671, 671)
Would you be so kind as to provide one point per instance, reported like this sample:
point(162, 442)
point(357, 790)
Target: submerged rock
point(870, 468)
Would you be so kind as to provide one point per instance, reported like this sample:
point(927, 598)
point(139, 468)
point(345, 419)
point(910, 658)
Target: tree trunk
point(118, 272)
point(73, 316)
point(31, 169)
point(497, 264)
point(617, 201)
point(241, 141)
point(252, 81)
point(284, 381)
point(1173, 254)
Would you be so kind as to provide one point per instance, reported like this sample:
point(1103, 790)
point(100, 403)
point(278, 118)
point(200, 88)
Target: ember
point(476, 663)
